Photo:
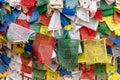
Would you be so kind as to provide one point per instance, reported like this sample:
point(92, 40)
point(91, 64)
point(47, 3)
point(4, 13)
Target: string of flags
point(59, 39)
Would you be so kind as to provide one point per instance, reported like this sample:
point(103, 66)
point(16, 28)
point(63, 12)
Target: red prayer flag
point(87, 33)
point(23, 23)
point(43, 46)
point(98, 15)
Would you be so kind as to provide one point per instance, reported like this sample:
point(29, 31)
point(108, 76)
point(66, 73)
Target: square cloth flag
point(95, 51)
point(67, 4)
point(100, 72)
point(38, 74)
point(114, 76)
point(68, 53)
point(87, 33)
point(43, 46)
point(52, 75)
point(111, 68)
point(88, 74)
point(111, 24)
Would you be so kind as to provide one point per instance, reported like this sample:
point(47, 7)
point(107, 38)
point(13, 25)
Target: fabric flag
point(94, 51)
point(52, 75)
point(17, 33)
point(44, 19)
point(56, 4)
point(111, 24)
point(55, 22)
point(100, 72)
point(68, 53)
point(42, 2)
point(18, 47)
point(67, 4)
point(87, 33)
point(38, 74)
point(103, 28)
point(83, 14)
point(85, 3)
point(114, 76)
point(111, 68)
point(92, 24)
point(88, 74)
point(46, 45)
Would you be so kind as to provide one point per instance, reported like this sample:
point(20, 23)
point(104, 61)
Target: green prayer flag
point(42, 2)
point(100, 72)
point(108, 12)
point(42, 9)
point(35, 27)
point(38, 74)
point(68, 53)
point(105, 6)
point(103, 28)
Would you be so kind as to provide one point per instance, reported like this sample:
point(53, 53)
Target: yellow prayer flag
point(117, 7)
point(68, 27)
point(110, 68)
point(109, 58)
point(95, 51)
point(117, 32)
point(104, 18)
point(43, 30)
point(81, 58)
point(51, 75)
point(115, 76)
point(111, 24)
point(18, 47)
